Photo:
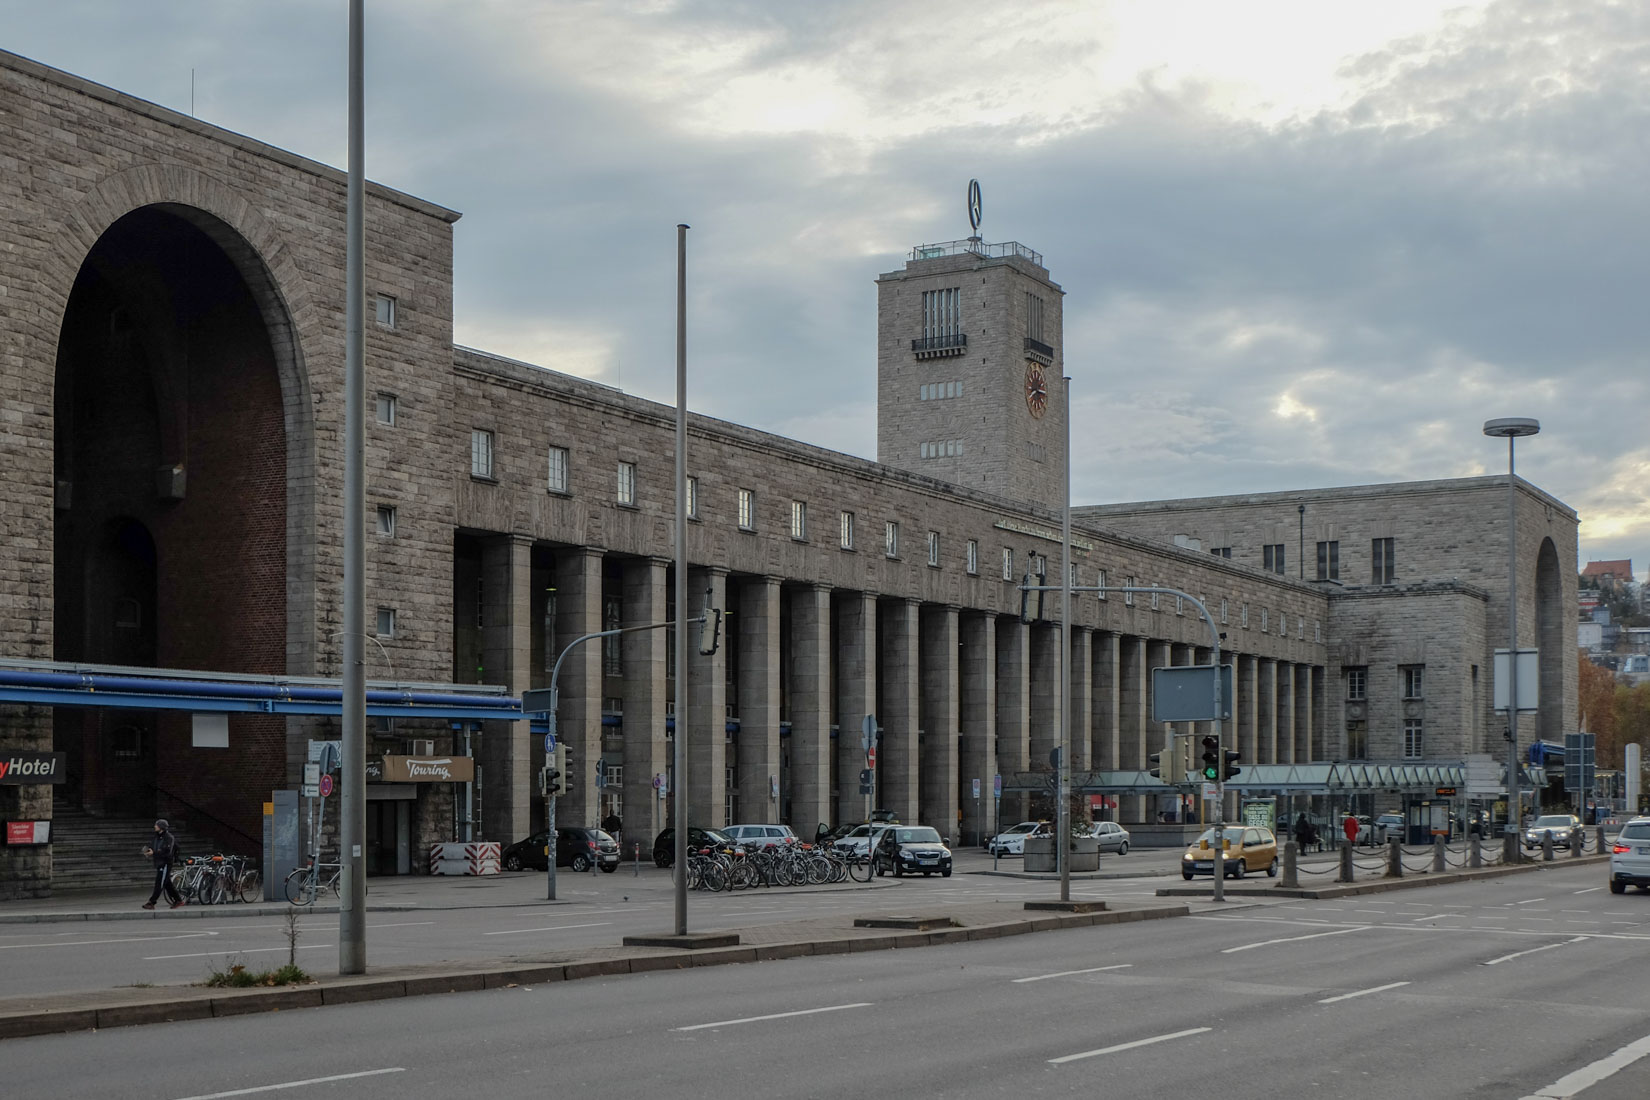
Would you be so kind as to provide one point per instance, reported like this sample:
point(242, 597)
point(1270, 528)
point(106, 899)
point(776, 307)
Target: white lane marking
point(405, 924)
point(552, 928)
point(228, 951)
point(1531, 951)
point(1432, 916)
point(1587, 1076)
point(129, 939)
point(297, 1084)
point(1529, 901)
point(1129, 1046)
point(1589, 890)
point(1068, 973)
point(1291, 939)
point(1361, 993)
point(774, 1016)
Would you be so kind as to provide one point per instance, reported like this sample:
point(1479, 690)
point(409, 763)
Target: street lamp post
point(1510, 428)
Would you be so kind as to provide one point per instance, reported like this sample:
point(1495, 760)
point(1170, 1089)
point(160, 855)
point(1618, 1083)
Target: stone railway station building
point(171, 375)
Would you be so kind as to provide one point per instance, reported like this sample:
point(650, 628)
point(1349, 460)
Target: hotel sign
point(429, 769)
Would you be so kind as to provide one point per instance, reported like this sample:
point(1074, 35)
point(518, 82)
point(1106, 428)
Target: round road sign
point(326, 785)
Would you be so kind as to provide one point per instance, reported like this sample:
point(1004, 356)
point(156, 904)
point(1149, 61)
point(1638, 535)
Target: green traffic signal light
point(1211, 758)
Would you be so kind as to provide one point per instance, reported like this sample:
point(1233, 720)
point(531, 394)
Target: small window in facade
point(890, 538)
point(626, 489)
point(384, 311)
point(1317, 631)
point(557, 480)
point(847, 536)
point(1411, 678)
point(941, 316)
point(385, 407)
point(973, 557)
point(1073, 571)
point(1329, 561)
point(1100, 583)
point(692, 498)
point(1180, 605)
point(747, 510)
point(1157, 597)
point(1243, 616)
point(1008, 564)
point(1283, 624)
point(934, 548)
point(1221, 551)
point(1225, 611)
point(386, 520)
point(1414, 748)
point(386, 622)
point(481, 454)
point(1034, 317)
point(1382, 566)
point(1264, 615)
point(1357, 739)
point(1357, 683)
point(1128, 597)
point(1272, 557)
point(128, 614)
point(799, 519)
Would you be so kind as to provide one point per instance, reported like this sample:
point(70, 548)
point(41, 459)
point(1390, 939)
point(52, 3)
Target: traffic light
point(1025, 596)
point(555, 769)
point(1229, 766)
point(710, 631)
point(1163, 765)
point(1211, 758)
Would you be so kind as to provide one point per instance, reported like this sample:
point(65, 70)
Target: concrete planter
point(1085, 854)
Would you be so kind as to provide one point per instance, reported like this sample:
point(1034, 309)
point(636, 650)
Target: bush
point(239, 977)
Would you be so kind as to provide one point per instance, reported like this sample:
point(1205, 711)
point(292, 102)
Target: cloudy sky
point(1302, 244)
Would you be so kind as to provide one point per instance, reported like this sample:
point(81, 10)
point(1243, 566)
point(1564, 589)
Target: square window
point(481, 454)
point(627, 483)
point(692, 497)
point(386, 520)
point(799, 519)
point(934, 548)
point(385, 408)
point(973, 558)
point(747, 510)
point(384, 311)
point(557, 482)
point(386, 622)
point(846, 536)
point(890, 538)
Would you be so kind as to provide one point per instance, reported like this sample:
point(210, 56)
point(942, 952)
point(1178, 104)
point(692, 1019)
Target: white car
point(857, 841)
point(1630, 857)
point(1012, 841)
point(759, 836)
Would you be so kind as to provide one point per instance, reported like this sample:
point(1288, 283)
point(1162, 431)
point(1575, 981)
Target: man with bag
point(164, 852)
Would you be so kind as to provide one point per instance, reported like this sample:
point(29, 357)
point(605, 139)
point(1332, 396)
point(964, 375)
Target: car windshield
point(1637, 830)
point(1023, 827)
point(1551, 821)
point(600, 837)
point(1235, 835)
point(916, 836)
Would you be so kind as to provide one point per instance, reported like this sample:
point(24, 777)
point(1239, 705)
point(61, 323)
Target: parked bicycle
point(305, 882)
point(217, 879)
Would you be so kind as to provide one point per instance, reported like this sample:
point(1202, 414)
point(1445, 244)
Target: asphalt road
point(1499, 988)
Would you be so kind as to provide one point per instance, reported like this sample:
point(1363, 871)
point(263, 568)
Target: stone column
point(1303, 713)
point(757, 630)
point(579, 684)
point(856, 696)
point(978, 713)
point(1244, 710)
point(1133, 704)
point(1045, 697)
point(1286, 713)
point(1323, 749)
point(706, 707)
point(1266, 707)
point(1082, 698)
point(1013, 712)
point(646, 600)
point(901, 714)
point(810, 697)
point(1103, 731)
point(506, 657)
point(937, 756)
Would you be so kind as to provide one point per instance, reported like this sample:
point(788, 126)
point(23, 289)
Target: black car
point(910, 849)
point(577, 847)
point(664, 845)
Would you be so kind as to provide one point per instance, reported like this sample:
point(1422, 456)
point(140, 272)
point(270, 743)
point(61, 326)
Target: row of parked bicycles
point(218, 880)
point(718, 869)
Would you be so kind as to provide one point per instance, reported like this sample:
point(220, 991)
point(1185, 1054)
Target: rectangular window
point(384, 311)
point(1381, 561)
point(1225, 612)
point(1073, 577)
point(1357, 684)
point(386, 622)
point(1283, 624)
point(1413, 748)
point(1008, 564)
point(847, 537)
point(1243, 616)
point(1221, 551)
point(612, 653)
point(941, 316)
point(934, 548)
point(558, 470)
point(1157, 597)
point(1357, 740)
point(747, 510)
point(386, 408)
point(1100, 583)
point(939, 391)
point(890, 538)
point(1264, 614)
point(973, 558)
point(1128, 597)
point(1180, 605)
point(1034, 317)
point(1329, 561)
point(799, 519)
point(1272, 557)
point(692, 498)
point(627, 483)
point(386, 520)
point(1412, 678)
point(481, 454)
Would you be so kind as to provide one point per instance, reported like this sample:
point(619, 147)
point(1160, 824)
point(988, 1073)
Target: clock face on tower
point(1036, 389)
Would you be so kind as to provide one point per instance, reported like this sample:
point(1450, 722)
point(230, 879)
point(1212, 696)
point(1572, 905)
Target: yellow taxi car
point(1248, 848)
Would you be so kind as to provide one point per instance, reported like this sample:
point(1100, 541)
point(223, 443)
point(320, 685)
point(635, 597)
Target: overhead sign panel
point(1186, 693)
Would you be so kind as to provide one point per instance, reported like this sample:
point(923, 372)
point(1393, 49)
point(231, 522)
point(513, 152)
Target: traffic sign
point(549, 742)
point(868, 731)
point(997, 786)
point(871, 756)
point(1212, 792)
point(976, 788)
point(326, 785)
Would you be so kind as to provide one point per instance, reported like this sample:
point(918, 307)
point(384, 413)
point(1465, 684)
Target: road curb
point(198, 1003)
point(1411, 881)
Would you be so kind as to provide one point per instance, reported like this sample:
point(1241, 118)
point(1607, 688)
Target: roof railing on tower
point(977, 247)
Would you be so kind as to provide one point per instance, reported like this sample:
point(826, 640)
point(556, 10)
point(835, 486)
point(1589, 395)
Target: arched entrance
point(1549, 639)
point(170, 535)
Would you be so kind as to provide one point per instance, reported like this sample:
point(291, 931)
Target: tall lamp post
point(1510, 428)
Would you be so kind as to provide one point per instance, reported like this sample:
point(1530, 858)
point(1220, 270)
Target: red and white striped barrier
point(476, 858)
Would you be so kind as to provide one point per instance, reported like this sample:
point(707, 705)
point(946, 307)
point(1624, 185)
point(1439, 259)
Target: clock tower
point(969, 368)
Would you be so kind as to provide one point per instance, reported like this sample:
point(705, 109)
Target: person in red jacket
point(1350, 828)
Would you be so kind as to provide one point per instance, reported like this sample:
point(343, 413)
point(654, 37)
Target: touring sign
point(19, 769)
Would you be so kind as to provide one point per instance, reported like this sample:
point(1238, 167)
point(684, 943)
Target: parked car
point(760, 836)
point(1630, 857)
point(1111, 836)
point(910, 849)
point(1248, 848)
point(1386, 827)
point(577, 847)
point(1012, 841)
point(664, 845)
point(857, 839)
point(1560, 825)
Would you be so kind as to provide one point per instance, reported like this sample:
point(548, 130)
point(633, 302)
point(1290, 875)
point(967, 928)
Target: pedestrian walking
point(164, 852)
point(1350, 828)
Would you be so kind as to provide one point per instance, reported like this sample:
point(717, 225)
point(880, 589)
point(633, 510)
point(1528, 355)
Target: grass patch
point(239, 977)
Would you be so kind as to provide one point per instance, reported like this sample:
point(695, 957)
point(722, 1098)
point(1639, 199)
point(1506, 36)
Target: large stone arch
point(1554, 655)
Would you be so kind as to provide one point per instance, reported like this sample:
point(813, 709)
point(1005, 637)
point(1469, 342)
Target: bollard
point(1291, 879)
point(1475, 852)
point(636, 861)
point(1547, 846)
point(1601, 848)
point(1509, 848)
point(1578, 841)
point(1438, 854)
point(1346, 864)
point(1394, 859)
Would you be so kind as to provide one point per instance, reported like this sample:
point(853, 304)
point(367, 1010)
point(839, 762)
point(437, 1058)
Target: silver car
point(1111, 836)
point(1630, 857)
point(1562, 826)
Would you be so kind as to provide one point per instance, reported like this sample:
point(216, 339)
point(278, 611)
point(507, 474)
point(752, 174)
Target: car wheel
point(1617, 887)
point(946, 873)
point(1272, 871)
point(1187, 875)
point(660, 860)
point(512, 862)
point(899, 872)
point(609, 868)
point(581, 862)
point(1241, 869)
point(1123, 848)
